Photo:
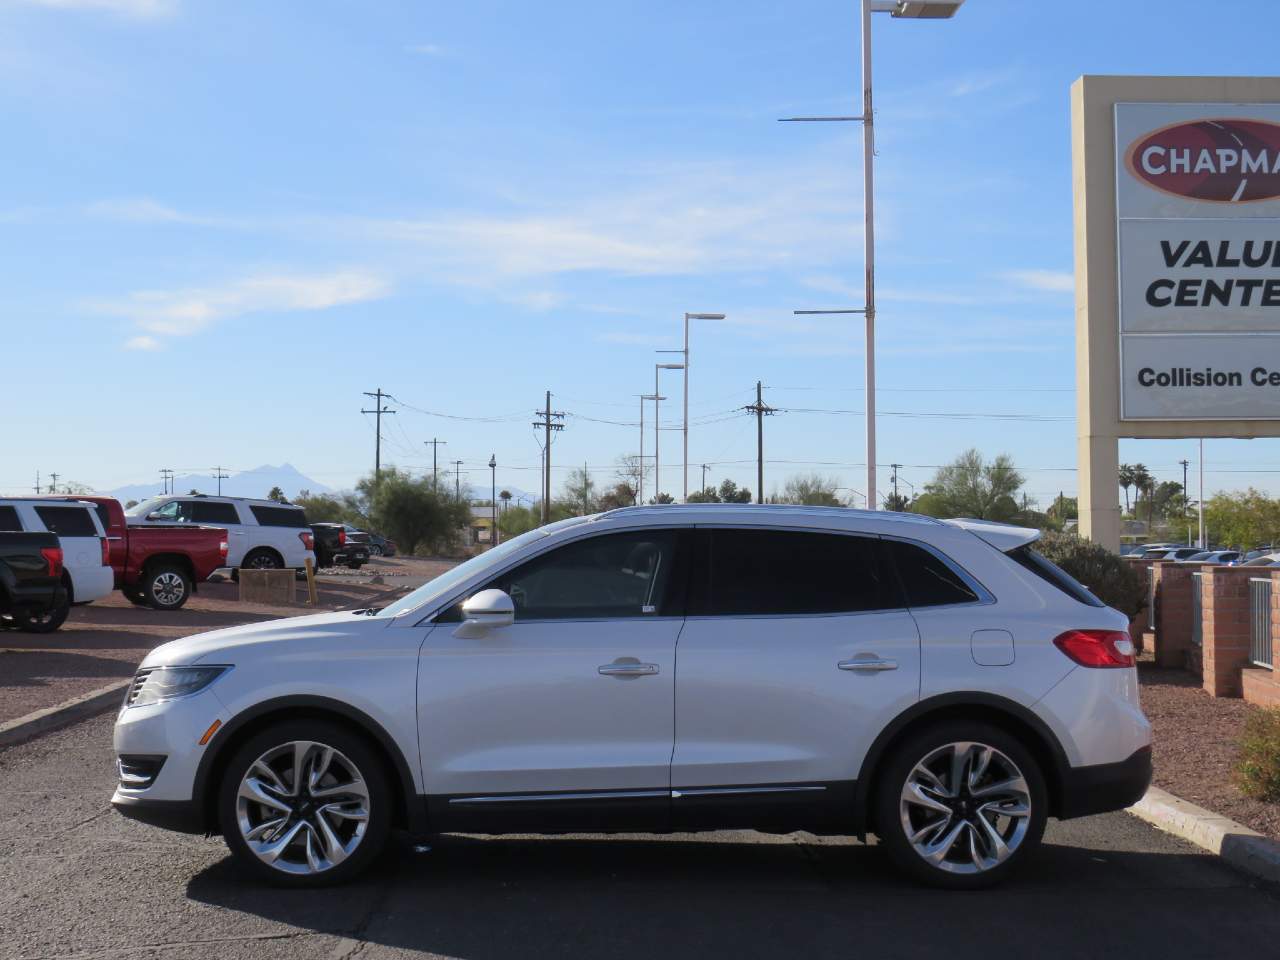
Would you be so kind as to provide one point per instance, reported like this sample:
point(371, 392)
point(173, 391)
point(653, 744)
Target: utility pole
point(53, 483)
point(220, 476)
point(547, 419)
point(640, 482)
point(493, 497)
point(895, 484)
point(435, 446)
point(166, 477)
point(761, 410)
point(457, 479)
point(1201, 504)
point(37, 483)
point(704, 477)
point(379, 410)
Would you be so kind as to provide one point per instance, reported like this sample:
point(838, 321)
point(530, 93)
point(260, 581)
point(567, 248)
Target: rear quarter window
point(1052, 574)
point(927, 579)
point(9, 522)
point(67, 521)
point(278, 516)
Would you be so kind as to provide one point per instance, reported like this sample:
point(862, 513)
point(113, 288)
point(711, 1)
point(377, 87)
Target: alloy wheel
point(965, 808)
point(168, 589)
point(302, 807)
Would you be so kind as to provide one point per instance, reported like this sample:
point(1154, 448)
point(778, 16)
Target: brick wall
point(1173, 612)
point(1225, 650)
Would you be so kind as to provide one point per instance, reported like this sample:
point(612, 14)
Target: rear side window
point(928, 580)
point(104, 515)
point(1053, 574)
point(784, 572)
point(278, 516)
point(9, 521)
point(202, 512)
point(67, 521)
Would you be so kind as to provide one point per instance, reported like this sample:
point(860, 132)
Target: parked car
point(32, 597)
point(1155, 551)
point(1213, 556)
point(158, 565)
point(839, 671)
point(1182, 553)
point(86, 556)
point(263, 534)
point(334, 545)
point(1265, 560)
point(380, 546)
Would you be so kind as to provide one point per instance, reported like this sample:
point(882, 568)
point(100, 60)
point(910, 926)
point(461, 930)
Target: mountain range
point(247, 483)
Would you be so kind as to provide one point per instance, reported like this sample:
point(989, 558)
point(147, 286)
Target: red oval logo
point(1220, 161)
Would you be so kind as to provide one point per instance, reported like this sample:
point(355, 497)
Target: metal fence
point(1260, 621)
point(1151, 598)
point(1197, 610)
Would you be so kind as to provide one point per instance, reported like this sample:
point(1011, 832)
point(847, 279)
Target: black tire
point(262, 559)
point(349, 745)
point(375, 550)
point(355, 564)
point(934, 740)
point(50, 620)
point(135, 596)
point(166, 587)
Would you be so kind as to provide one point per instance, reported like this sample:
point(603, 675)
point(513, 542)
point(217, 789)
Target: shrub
point(1110, 578)
point(1258, 770)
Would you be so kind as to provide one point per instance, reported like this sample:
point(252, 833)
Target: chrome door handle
point(868, 664)
point(627, 669)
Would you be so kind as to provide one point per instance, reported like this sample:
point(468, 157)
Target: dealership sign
point(1198, 228)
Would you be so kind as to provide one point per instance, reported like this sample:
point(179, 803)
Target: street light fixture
point(685, 351)
point(657, 422)
point(902, 9)
point(493, 496)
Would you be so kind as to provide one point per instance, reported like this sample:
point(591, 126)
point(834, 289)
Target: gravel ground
point(1196, 739)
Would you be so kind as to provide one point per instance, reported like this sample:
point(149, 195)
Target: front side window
point(67, 521)
point(615, 575)
point(786, 573)
point(174, 511)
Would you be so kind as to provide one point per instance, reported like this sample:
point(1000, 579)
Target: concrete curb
point(1245, 849)
point(78, 708)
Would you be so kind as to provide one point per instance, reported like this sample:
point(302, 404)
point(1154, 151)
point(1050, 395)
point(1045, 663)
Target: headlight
point(167, 683)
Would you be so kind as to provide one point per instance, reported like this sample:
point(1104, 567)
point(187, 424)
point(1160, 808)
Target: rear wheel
point(960, 805)
point(166, 587)
point(375, 550)
point(305, 803)
point(48, 621)
point(355, 564)
point(262, 559)
point(135, 596)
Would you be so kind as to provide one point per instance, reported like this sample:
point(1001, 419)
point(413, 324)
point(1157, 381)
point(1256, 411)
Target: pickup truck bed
point(32, 597)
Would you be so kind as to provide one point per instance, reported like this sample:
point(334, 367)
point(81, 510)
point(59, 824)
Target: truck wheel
point(356, 564)
point(262, 560)
point(48, 621)
point(135, 596)
point(166, 587)
point(375, 550)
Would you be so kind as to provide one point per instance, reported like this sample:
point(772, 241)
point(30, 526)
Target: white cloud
point(179, 313)
point(140, 9)
point(142, 343)
point(136, 210)
point(1049, 281)
point(427, 49)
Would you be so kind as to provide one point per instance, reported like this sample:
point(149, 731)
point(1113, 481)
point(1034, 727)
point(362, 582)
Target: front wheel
point(305, 803)
point(375, 550)
point(960, 805)
point(48, 621)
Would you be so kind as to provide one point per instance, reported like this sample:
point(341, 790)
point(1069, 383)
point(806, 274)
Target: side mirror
point(485, 611)
point(154, 516)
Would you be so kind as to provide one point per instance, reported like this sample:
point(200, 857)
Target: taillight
point(308, 542)
point(1097, 648)
point(106, 552)
point(222, 550)
point(342, 537)
point(53, 557)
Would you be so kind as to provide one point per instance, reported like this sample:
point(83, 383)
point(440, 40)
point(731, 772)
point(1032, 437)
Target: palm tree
point(1126, 481)
point(1142, 480)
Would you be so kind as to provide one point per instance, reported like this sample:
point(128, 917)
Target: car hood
point(223, 643)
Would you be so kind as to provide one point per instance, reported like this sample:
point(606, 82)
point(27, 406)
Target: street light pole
point(657, 421)
point(685, 352)
point(493, 496)
point(909, 9)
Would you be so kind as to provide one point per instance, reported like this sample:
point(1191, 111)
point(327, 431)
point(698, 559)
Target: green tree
point(420, 516)
point(325, 508)
point(1126, 481)
point(972, 487)
point(629, 470)
point(622, 494)
point(897, 502)
point(730, 492)
point(662, 498)
point(812, 490)
point(1142, 482)
point(277, 495)
point(709, 495)
point(131, 504)
point(580, 490)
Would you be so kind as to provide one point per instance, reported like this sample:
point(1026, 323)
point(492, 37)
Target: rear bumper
point(1105, 786)
point(183, 816)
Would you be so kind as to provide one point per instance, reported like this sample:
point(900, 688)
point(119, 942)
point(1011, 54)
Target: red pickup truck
point(157, 566)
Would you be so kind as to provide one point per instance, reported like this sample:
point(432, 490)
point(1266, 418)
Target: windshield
point(143, 508)
point(447, 581)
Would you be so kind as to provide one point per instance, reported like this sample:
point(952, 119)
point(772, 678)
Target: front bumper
point(1105, 786)
point(183, 816)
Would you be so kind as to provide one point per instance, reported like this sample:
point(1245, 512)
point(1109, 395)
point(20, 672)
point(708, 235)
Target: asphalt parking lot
point(78, 881)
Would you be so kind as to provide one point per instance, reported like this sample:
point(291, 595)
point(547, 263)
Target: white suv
point(86, 557)
point(654, 669)
point(261, 534)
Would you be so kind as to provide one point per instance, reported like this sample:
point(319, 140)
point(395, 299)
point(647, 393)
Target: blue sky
point(220, 222)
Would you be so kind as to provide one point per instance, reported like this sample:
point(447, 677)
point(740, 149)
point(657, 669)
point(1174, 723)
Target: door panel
point(763, 700)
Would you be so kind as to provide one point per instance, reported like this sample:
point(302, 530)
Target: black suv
point(334, 546)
